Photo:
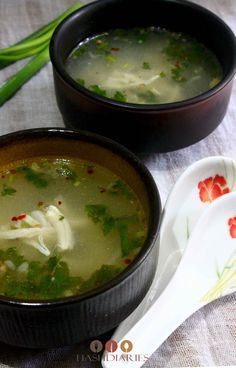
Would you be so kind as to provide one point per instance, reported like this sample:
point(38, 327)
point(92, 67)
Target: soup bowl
point(144, 127)
point(64, 321)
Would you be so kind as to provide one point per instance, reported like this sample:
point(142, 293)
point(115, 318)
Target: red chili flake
point(18, 218)
point(59, 203)
point(90, 170)
point(3, 176)
point(115, 49)
point(177, 63)
point(127, 261)
point(13, 171)
point(40, 204)
point(102, 190)
point(21, 217)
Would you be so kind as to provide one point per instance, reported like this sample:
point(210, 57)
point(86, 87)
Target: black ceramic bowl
point(148, 128)
point(40, 324)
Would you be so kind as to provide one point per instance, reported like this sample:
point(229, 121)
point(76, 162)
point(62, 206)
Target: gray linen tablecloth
point(208, 338)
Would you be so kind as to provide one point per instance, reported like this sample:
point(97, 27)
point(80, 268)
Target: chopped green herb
point(13, 255)
point(7, 190)
point(38, 179)
point(103, 45)
point(80, 81)
point(61, 218)
point(124, 239)
point(146, 65)
point(162, 74)
point(142, 34)
point(80, 51)
point(120, 96)
point(177, 74)
point(95, 88)
point(43, 280)
point(119, 187)
point(183, 48)
point(111, 58)
point(105, 274)
point(99, 214)
point(147, 95)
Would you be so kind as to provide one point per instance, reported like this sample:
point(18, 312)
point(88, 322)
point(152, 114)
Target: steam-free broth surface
point(144, 66)
point(67, 226)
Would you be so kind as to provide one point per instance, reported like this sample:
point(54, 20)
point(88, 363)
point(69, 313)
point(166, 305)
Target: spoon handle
point(180, 299)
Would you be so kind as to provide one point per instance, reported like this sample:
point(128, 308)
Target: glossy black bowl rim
point(153, 193)
point(59, 67)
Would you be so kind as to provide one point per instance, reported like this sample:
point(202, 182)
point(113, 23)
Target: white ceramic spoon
point(182, 208)
point(183, 203)
point(207, 271)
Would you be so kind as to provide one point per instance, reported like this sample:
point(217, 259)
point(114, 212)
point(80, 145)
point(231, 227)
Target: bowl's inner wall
point(29, 147)
point(173, 15)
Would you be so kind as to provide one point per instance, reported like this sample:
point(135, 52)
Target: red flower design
point(232, 225)
point(212, 188)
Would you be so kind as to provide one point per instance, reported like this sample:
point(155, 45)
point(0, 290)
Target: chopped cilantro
point(103, 45)
point(43, 280)
point(120, 96)
point(177, 74)
point(95, 88)
point(119, 187)
point(38, 179)
point(162, 74)
point(146, 65)
point(7, 190)
point(111, 58)
point(80, 81)
point(13, 255)
point(99, 214)
point(105, 274)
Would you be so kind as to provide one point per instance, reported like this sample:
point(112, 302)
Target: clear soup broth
point(68, 226)
point(144, 66)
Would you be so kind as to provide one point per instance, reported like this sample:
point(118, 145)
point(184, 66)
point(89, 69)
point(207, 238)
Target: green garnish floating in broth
point(78, 233)
point(7, 190)
point(105, 274)
point(100, 214)
point(36, 178)
point(97, 89)
point(119, 187)
point(120, 96)
point(145, 66)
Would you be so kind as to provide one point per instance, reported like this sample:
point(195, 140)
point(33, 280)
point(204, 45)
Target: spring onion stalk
point(16, 81)
point(37, 45)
